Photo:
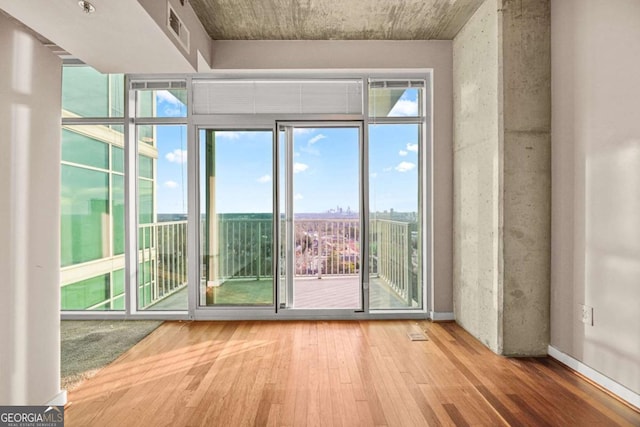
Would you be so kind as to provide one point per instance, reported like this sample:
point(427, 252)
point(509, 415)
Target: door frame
point(289, 276)
point(272, 312)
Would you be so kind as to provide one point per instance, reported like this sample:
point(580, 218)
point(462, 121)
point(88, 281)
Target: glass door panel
point(162, 217)
point(236, 227)
point(395, 235)
point(320, 216)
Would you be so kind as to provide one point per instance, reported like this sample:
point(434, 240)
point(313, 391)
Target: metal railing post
point(259, 261)
point(407, 263)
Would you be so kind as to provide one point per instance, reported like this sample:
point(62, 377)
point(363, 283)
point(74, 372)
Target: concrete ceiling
point(334, 19)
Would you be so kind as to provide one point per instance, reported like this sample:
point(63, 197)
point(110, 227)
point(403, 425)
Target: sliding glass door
point(320, 216)
point(317, 231)
point(236, 218)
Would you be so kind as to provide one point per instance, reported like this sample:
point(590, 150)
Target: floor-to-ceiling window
point(94, 194)
point(310, 195)
point(160, 142)
point(92, 191)
point(396, 169)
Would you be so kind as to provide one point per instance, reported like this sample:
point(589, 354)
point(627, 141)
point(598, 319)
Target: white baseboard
point(59, 399)
point(607, 383)
point(441, 316)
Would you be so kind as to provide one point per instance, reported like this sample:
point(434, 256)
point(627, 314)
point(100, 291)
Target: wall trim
point(607, 383)
point(59, 399)
point(441, 316)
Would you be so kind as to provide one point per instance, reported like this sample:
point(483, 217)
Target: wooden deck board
point(333, 373)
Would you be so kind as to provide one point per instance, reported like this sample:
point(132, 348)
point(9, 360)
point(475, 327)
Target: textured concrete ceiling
point(334, 19)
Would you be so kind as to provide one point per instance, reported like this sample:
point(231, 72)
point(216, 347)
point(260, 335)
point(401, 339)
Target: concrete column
point(502, 176)
point(30, 85)
point(526, 187)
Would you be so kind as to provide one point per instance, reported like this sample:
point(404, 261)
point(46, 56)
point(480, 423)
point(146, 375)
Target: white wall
point(596, 184)
point(30, 84)
point(200, 42)
point(119, 37)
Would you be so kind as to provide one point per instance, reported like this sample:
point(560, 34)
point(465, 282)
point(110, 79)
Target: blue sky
point(325, 166)
point(172, 169)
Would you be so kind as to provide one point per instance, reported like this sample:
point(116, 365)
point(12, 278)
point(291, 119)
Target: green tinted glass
point(144, 284)
point(88, 93)
point(86, 293)
point(146, 134)
point(117, 209)
point(116, 94)
point(117, 278)
point(84, 215)
point(145, 167)
point(85, 92)
point(145, 103)
point(118, 303)
point(81, 149)
point(145, 201)
point(117, 159)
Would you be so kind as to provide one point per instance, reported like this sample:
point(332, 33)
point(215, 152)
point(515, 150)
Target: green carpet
point(240, 292)
point(89, 345)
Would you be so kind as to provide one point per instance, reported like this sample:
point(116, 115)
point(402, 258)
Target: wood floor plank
point(456, 415)
point(326, 373)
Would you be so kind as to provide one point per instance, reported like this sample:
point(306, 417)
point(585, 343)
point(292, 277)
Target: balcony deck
point(310, 292)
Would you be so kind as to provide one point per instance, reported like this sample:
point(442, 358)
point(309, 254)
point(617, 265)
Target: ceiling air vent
point(177, 28)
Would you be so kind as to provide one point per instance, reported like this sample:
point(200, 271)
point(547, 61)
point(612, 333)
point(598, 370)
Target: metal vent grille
point(158, 85)
point(396, 84)
point(177, 28)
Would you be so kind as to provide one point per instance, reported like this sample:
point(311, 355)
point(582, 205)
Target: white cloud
point(299, 167)
point(403, 153)
point(387, 169)
point(168, 97)
point(405, 166)
point(264, 178)
point(412, 147)
point(309, 149)
point(298, 196)
point(228, 134)
point(374, 175)
point(316, 139)
point(177, 156)
point(404, 107)
point(170, 104)
point(302, 131)
point(174, 112)
point(171, 184)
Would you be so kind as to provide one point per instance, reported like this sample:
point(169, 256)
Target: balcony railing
point(245, 248)
point(394, 256)
point(327, 247)
point(162, 268)
point(323, 247)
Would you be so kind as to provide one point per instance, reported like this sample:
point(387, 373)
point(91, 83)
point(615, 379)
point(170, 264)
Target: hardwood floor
point(344, 373)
